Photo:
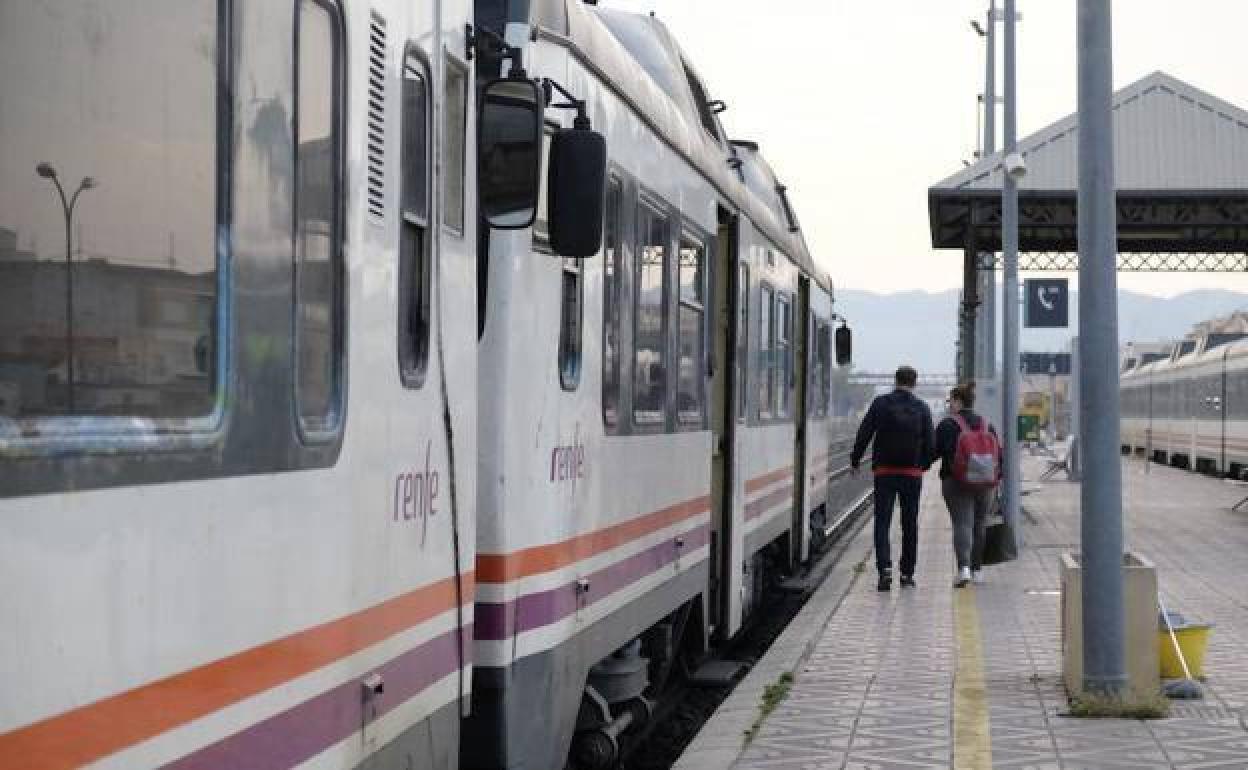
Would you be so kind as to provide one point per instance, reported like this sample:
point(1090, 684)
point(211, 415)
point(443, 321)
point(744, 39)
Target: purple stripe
point(309, 728)
point(767, 502)
point(495, 621)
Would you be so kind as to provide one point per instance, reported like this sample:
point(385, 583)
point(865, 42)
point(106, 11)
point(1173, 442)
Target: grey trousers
point(969, 509)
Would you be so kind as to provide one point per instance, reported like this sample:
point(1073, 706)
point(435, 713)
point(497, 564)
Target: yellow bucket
point(1192, 640)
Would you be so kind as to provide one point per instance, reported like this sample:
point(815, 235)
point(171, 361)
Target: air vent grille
point(377, 116)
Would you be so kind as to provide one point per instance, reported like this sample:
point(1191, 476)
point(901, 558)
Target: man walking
point(901, 426)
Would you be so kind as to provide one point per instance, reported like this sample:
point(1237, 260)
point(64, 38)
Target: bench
point(1059, 460)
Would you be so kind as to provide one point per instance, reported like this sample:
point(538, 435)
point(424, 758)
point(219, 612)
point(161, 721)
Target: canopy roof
point(1181, 169)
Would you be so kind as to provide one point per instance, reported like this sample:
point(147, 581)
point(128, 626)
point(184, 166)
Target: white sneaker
point(964, 577)
point(977, 577)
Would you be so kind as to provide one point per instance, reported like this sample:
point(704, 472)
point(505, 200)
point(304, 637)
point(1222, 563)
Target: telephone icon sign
point(1048, 303)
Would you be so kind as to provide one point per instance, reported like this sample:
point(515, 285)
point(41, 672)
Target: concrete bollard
point(1139, 577)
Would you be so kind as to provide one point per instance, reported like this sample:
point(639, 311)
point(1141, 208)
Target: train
point(1186, 404)
point(389, 385)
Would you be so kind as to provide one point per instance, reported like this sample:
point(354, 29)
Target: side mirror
point(576, 189)
point(509, 152)
point(844, 346)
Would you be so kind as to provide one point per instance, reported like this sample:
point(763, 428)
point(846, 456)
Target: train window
point(455, 86)
point(109, 243)
point(703, 104)
point(743, 340)
point(570, 293)
point(690, 325)
point(414, 268)
point(782, 358)
point(649, 331)
point(318, 258)
point(766, 351)
point(821, 376)
point(541, 230)
point(611, 275)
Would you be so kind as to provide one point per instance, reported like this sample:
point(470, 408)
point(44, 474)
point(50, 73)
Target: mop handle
point(1173, 639)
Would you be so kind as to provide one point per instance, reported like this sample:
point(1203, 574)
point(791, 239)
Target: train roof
point(639, 59)
point(1231, 347)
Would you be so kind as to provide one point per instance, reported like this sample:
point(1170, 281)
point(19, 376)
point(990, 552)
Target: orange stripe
point(107, 726)
point(755, 484)
point(504, 567)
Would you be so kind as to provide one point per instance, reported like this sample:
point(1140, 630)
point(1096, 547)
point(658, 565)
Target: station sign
point(1048, 303)
point(1045, 363)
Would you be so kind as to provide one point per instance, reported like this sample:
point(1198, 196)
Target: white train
point(321, 447)
point(1188, 406)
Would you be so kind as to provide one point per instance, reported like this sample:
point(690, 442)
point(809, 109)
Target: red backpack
point(977, 458)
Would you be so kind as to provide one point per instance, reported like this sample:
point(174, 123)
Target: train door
point(801, 359)
point(731, 293)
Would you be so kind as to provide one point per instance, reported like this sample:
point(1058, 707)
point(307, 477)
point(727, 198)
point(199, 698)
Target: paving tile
point(875, 689)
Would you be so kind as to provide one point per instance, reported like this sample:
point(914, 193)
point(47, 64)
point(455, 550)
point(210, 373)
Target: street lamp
point(45, 170)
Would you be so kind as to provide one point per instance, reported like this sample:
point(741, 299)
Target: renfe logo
point(416, 494)
point(567, 463)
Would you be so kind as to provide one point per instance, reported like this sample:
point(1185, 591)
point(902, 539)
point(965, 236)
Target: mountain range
point(920, 328)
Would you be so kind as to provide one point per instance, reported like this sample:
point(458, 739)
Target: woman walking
point(970, 469)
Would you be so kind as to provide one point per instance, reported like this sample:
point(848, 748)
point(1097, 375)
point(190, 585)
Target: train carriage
point(656, 427)
point(1188, 409)
point(234, 531)
point(304, 457)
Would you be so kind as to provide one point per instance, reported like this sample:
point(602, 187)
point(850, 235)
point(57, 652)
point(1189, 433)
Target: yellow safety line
point(972, 741)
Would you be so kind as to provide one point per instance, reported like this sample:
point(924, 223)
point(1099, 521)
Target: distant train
point(408, 385)
point(1188, 406)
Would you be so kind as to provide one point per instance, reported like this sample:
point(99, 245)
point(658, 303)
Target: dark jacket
point(899, 427)
point(947, 433)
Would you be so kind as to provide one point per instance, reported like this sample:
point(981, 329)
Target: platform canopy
point(1181, 169)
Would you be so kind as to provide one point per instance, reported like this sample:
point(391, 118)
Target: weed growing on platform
point(1154, 706)
point(773, 695)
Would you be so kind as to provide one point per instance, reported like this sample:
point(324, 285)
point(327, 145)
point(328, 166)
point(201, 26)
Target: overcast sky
point(861, 106)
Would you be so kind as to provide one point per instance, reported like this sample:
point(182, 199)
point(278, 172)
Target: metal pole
point(990, 82)
point(69, 290)
point(970, 311)
point(1009, 243)
point(986, 330)
point(1104, 648)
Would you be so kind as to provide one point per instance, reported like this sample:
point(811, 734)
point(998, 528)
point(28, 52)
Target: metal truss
point(1149, 223)
point(1133, 262)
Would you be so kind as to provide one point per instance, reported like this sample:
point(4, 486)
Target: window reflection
point(821, 377)
point(570, 324)
point(782, 358)
point(108, 288)
point(414, 268)
point(611, 305)
point(743, 339)
point(316, 270)
point(649, 373)
point(456, 94)
point(692, 259)
point(766, 344)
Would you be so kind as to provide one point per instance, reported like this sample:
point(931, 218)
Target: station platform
point(941, 677)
